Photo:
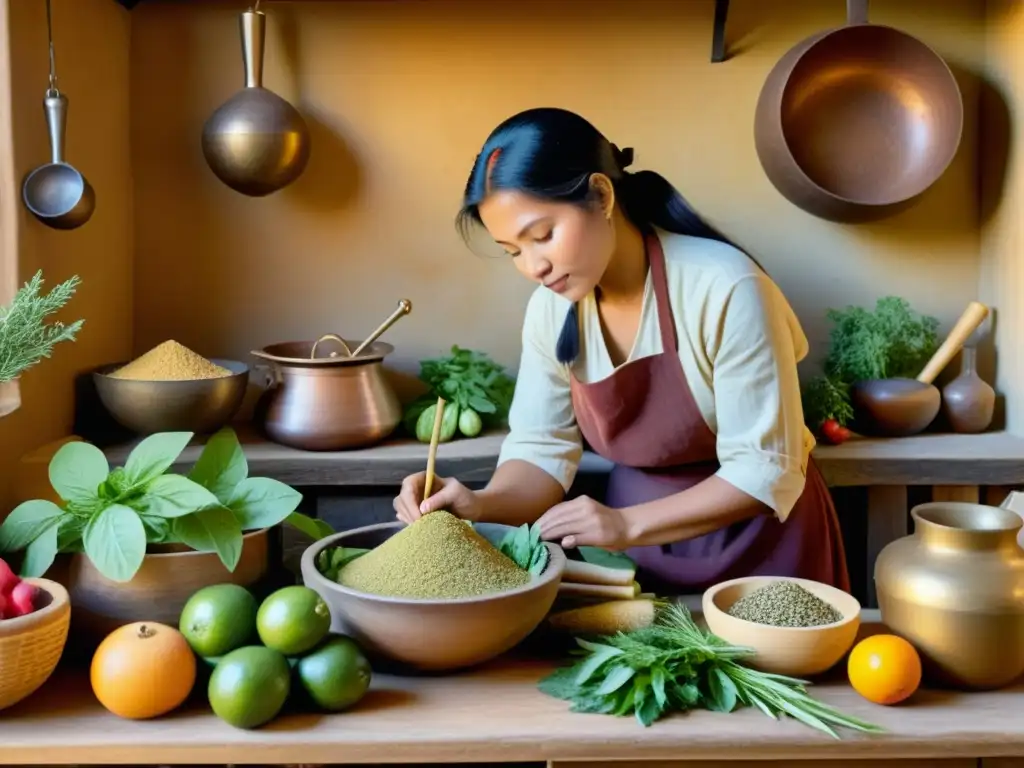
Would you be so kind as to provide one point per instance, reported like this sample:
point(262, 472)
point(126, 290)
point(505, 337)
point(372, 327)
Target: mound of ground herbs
point(438, 556)
point(170, 361)
point(784, 604)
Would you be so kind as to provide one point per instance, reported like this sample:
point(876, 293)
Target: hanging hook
point(52, 90)
point(256, 9)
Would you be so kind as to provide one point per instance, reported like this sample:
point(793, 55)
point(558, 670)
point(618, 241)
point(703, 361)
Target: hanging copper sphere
point(256, 142)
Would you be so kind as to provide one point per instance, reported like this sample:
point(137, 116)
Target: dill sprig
point(676, 666)
point(25, 336)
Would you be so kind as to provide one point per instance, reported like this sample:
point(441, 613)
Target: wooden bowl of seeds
point(795, 627)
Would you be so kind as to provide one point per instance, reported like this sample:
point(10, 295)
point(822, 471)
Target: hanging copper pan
point(854, 123)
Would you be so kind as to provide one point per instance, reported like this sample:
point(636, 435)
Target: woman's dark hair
point(550, 154)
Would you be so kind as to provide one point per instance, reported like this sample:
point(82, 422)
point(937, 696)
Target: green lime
point(219, 618)
point(336, 675)
point(293, 620)
point(249, 686)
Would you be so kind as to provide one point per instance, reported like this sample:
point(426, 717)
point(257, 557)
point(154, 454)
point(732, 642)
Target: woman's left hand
point(584, 522)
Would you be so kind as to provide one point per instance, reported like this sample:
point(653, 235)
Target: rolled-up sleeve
point(761, 436)
point(542, 423)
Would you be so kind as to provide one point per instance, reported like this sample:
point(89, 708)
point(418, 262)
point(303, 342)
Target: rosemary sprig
point(25, 337)
point(675, 665)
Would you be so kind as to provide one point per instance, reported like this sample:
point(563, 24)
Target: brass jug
point(955, 590)
point(327, 403)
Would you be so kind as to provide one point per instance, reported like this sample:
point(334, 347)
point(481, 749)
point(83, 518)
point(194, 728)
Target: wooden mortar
point(899, 406)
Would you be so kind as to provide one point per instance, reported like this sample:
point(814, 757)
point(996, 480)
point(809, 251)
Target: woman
point(664, 347)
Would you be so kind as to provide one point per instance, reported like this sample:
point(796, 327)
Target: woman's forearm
point(518, 493)
point(711, 504)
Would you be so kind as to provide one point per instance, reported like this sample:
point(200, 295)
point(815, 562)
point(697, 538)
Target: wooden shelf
point(993, 458)
point(496, 714)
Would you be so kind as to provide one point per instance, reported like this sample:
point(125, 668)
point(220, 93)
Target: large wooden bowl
point(796, 651)
point(433, 635)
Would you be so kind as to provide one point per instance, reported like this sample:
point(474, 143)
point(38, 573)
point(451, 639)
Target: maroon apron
point(644, 418)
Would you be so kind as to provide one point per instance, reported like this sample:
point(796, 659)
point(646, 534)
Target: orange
point(885, 669)
point(143, 670)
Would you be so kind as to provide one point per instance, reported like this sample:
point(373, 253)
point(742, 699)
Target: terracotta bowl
point(794, 651)
point(433, 635)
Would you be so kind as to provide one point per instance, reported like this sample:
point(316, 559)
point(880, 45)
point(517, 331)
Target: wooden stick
point(435, 437)
point(569, 589)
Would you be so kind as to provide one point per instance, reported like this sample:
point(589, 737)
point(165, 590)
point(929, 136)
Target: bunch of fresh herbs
point(891, 341)
point(468, 379)
point(112, 515)
point(25, 336)
point(674, 665)
point(523, 546)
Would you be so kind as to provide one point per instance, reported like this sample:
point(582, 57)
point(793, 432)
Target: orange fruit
point(884, 669)
point(143, 670)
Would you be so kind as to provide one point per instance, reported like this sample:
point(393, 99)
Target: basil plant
point(113, 515)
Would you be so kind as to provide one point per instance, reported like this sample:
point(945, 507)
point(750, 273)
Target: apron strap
point(666, 322)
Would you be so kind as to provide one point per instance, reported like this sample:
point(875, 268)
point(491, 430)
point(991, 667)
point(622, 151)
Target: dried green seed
point(784, 604)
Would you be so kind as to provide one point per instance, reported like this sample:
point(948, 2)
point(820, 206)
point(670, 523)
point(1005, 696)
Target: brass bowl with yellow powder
point(433, 634)
point(170, 389)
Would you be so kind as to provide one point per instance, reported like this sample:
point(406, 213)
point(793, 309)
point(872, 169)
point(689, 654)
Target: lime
point(336, 675)
point(293, 620)
point(249, 686)
point(218, 619)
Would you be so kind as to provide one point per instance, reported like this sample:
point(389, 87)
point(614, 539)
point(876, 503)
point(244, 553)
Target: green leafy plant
point(476, 387)
point(891, 341)
point(114, 515)
point(330, 561)
point(25, 336)
point(674, 665)
point(523, 546)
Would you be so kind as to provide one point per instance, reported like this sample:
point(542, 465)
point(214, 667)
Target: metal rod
point(53, 67)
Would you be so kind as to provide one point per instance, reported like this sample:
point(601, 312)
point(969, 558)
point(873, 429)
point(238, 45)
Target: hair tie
point(623, 157)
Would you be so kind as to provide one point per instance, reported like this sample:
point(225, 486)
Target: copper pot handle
point(856, 12)
point(332, 337)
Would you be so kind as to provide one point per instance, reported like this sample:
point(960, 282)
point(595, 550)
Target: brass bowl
point(433, 635)
point(795, 651)
point(201, 406)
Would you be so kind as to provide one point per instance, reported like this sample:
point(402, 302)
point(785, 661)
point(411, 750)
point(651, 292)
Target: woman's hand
point(584, 522)
point(449, 495)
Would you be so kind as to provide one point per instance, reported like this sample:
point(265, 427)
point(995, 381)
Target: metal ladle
point(56, 193)
point(404, 308)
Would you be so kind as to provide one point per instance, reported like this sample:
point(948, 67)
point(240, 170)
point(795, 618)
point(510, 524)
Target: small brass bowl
point(201, 405)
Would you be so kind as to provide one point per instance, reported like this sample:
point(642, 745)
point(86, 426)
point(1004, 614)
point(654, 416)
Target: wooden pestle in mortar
point(899, 407)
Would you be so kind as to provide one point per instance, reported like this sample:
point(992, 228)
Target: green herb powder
point(438, 556)
point(784, 604)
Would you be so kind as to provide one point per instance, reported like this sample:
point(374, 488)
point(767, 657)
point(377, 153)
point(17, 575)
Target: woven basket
point(31, 646)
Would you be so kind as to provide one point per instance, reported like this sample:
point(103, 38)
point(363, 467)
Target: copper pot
point(953, 589)
point(329, 402)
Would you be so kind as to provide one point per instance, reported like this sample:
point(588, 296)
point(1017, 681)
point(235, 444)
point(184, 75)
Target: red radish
point(834, 432)
point(22, 599)
point(3, 606)
point(8, 579)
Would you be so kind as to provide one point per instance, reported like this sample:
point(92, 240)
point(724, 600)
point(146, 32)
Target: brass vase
point(955, 589)
point(256, 142)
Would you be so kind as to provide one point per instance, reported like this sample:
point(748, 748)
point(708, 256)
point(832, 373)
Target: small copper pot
point(329, 402)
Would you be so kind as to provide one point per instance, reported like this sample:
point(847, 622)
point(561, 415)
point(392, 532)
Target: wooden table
point(496, 715)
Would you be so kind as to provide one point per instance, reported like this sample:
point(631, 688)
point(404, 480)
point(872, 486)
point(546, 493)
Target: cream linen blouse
point(739, 344)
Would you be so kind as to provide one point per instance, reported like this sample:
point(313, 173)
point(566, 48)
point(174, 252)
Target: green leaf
point(39, 555)
point(26, 522)
point(212, 530)
point(482, 405)
point(158, 529)
point(260, 502)
point(154, 456)
point(221, 465)
point(77, 470)
point(115, 542)
point(616, 677)
point(602, 557)
point(69, 533)
point(599, 654)
point(722, 693)
point(175, 496)
point(313, 527)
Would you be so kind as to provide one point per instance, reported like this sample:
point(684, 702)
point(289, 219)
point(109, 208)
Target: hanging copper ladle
point(56, 193)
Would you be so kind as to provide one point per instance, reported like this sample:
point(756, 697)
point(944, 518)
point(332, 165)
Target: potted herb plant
point(25, 336)
point(142, 539)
